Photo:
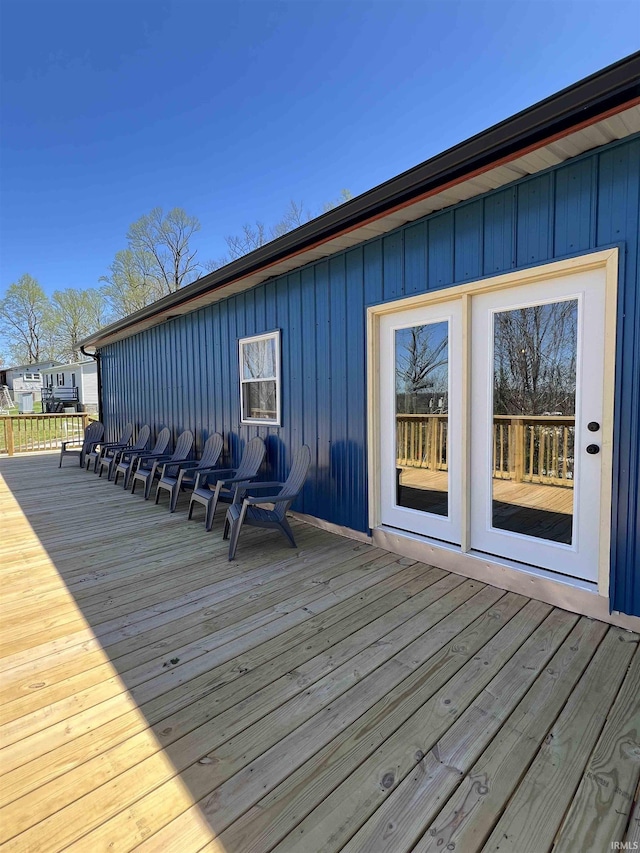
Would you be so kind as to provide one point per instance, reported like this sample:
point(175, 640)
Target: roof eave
point(607, 89)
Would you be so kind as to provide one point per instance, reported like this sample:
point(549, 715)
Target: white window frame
point(277, 378)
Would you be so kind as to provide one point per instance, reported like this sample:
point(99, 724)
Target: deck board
point(335, 697)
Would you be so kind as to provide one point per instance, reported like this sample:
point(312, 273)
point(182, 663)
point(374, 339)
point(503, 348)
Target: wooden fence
point(22, 433)
point(525, 449)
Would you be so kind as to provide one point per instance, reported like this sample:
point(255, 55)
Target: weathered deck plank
point(155, 695)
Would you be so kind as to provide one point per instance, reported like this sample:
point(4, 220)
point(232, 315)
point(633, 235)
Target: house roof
point(38, 364)
point(60, 366)
point(599, 109)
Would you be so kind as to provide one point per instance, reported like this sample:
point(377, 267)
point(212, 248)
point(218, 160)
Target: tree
point(163, 242)
point(75, 314)
point(24, 321)
point(130, 285)
point(253, 236)
point(535, 359)
point(158, 260)
point(422, 357)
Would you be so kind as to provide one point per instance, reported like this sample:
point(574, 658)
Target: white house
point(26, 377)
point(75, 383)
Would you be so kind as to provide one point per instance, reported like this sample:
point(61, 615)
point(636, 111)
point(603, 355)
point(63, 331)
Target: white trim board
point(567, 596)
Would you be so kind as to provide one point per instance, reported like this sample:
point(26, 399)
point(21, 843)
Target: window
point(28, 376)
point(60, 378)
point(73, 380)
point(260, 379)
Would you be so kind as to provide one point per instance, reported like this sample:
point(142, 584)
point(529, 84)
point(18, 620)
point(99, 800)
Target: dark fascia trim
point(583, 101)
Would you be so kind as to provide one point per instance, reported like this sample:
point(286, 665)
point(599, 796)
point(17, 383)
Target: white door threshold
point(568, 593)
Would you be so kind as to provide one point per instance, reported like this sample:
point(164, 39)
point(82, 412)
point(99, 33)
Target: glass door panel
point(536, 383)
point(422, 417)
point(534, 396)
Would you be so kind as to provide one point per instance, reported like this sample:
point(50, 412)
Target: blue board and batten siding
point(184, 373)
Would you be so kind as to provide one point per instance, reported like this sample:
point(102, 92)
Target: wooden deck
point(156, 697)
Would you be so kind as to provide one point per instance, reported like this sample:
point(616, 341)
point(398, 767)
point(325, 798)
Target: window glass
point(260, 379)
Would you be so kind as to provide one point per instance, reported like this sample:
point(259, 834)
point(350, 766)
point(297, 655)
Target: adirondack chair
point(129, 460)
point(148, 466)
point(80, 447)
point(109, 462)
point(176, 476)
point(248, 509)
point(226, 481)
point(110, 446)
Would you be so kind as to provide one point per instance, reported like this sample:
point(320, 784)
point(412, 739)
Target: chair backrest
point(295, 481)
point(211, 451)
point(143, 438)
point(125, 435)
point(183, 445)
point(93, 433)
point(162, 441)
point(251, 459)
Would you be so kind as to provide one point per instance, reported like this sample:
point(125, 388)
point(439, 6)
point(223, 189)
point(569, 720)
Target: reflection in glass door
point(534, 398)
point(422, 417)
point(537, 380)
point(420, 396)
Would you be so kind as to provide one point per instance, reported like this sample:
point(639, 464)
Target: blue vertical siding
point(185, 373)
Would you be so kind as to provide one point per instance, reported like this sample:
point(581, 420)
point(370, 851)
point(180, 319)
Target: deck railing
point(422, 441)
point(525, 449)
point(22, 433)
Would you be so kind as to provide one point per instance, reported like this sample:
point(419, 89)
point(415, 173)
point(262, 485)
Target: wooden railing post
point(518, 440)
point(8, 434)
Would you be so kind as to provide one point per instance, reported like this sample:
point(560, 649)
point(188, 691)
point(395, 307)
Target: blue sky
point(231, 109)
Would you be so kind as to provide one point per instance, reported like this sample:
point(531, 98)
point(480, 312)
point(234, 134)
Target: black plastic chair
point(110, 461)
point(92, 436)
point(249, 509)
point(129, 459)
point(108, 448)
point(226, 480)
point(182, 475)
point(147, 466)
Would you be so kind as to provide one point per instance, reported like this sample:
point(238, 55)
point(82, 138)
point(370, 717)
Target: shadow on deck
point(335, 697)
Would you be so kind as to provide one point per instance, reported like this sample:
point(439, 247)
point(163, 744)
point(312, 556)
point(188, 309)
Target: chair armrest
point(268, 499)
point(187, 464)
point(202, 475)
point(247, 480)
point(113, 445)
point(178, 464)
point(264, 485)
point(142, 457)
point(129, 455)
point(215, 470)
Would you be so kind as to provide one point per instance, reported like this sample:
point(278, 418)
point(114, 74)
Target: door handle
point(593, 448)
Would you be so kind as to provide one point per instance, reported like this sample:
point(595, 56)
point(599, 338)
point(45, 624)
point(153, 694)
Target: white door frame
point(606, 259)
